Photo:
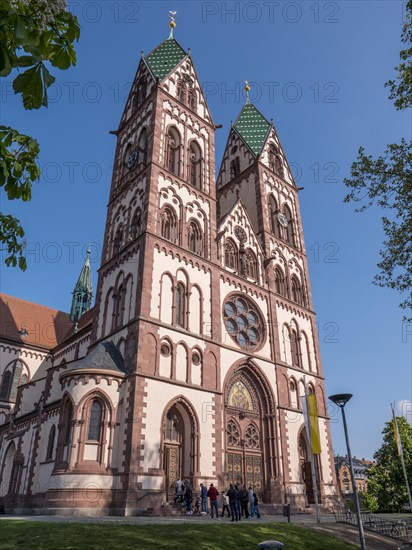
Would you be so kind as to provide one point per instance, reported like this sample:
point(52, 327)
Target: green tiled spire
point(165, 57)
point(252, 127)
point(83, 292)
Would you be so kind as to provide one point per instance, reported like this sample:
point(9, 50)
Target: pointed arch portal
point(249, 434)
point(180, 444)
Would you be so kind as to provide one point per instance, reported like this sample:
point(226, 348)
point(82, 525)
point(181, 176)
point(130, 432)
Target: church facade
point(202, 340)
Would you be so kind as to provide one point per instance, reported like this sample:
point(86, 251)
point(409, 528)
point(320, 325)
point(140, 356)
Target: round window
point(196, 358)
point(165, 350)
point(243, 322)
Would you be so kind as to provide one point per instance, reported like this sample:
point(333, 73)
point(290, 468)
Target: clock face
point(131, 160)
point(282, 219)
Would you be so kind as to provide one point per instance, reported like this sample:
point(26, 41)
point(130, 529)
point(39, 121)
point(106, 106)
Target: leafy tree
point(32, 33)
point(386, 482)
point(387, 182)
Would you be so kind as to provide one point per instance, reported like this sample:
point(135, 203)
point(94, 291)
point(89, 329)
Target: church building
point(202, 341)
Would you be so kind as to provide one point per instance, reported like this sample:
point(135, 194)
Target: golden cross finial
point(247, 90)
point(172, 22)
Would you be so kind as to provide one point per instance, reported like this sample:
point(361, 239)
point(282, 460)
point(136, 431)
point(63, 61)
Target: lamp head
point(340, 399)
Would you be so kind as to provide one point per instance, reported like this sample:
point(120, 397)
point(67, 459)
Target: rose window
point(243, 322)
point(233, 435)
point(252, 437)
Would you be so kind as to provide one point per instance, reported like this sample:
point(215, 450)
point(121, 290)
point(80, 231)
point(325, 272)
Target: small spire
point(247, 90)
point(83, 291)
point(172, 23)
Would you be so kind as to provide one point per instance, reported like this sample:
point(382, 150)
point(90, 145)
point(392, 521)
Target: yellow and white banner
point(310, 414)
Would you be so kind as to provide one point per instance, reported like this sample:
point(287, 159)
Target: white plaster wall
point(285, 316)
point(32, 359)
point(129, 268)
point(159, 394)
point(186, 69)
point(273, 139)
point(163, 263)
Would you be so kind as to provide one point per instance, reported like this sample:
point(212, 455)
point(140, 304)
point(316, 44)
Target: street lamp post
point(340, 400)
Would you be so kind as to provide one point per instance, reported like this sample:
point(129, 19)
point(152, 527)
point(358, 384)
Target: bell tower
point(255, 171)
point(159, 265)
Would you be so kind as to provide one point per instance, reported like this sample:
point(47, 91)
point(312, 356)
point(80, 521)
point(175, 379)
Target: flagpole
point(400, 452)
point(312, 456)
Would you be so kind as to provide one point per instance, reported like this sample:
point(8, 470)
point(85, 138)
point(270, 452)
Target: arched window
point(169, 225)
point(192, 100)
point(195, 165)
point(118, 240)
point(275, 161)
point(180, 305)
point(297, 291)
point(280, 282)
point(233, 438)
point(181, 92)
point(290, 228)
point(68, 424)
point(50, 443)
point(5, 386)
point(230, 254)
point(142, 147)
point(174, 426)
point(195, 238)
point(293, 394)
point(95, 421)
point(135, 225)
point(250, 265)
point(140, 92)
point(235, 168)
point(119, 306)
point(252, 439)
point(295, 348)
point(13, 377)
point(173, 151)
point(273, 213)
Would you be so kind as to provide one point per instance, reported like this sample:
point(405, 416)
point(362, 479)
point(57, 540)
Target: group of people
point(237, 502)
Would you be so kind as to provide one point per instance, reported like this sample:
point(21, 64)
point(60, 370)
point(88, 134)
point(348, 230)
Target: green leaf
point(60, 57)
point(26, 60)
point(33, 84)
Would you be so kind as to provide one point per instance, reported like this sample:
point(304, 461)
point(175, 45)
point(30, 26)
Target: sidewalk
point(350, 533)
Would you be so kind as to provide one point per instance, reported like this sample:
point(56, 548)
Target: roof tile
point(165, 57)
point(252, 127)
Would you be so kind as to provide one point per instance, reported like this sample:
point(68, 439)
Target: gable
point(184, 76)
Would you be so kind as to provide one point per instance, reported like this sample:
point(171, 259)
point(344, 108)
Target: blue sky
point(318, 69)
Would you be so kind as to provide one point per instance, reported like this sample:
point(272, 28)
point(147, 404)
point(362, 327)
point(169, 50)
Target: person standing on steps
point(251, 502)
point(203, 498)
point(256, 505)
point(225, 505)
point(244, 501)
point(238, 505)
point(180, 489)
point(188, 497)
point(213, 494)
point(231, 494)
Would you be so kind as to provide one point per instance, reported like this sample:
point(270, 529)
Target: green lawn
point(26, 535)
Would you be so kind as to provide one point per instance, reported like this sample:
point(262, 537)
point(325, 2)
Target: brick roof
point(165, 57)
point(45, 327)
point(252, 127)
